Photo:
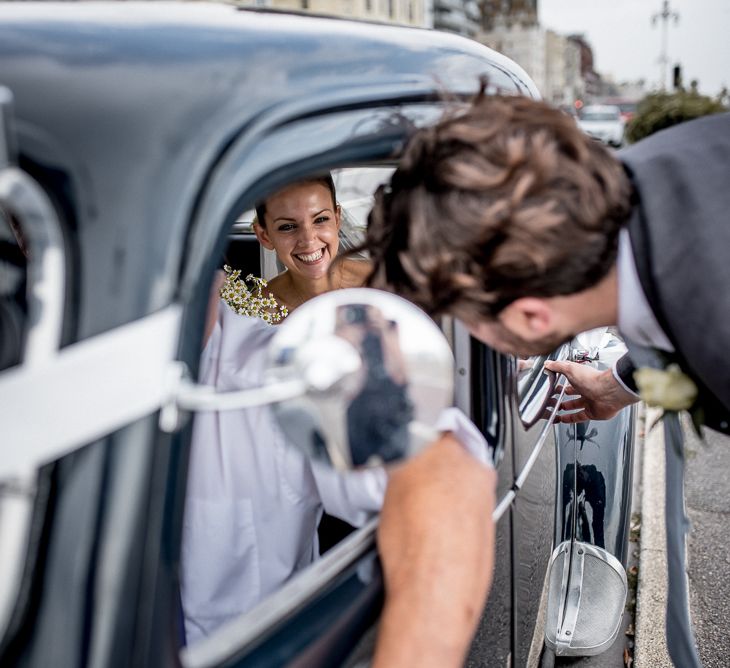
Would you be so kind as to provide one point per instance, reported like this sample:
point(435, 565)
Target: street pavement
point(707, 499)
point(707, 495)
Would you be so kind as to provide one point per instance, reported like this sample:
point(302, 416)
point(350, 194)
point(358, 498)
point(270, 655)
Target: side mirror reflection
point(377, 373)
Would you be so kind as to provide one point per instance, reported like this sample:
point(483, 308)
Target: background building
point(403, 12)
point(563, 80)
point(496, 13)
point(591, 79)
point(459, 16)
point(561, 66)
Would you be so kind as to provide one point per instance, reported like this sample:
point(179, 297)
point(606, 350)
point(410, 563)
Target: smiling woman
point(258, 511)
point(301, 223)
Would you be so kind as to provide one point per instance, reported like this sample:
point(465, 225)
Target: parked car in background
point(604, 122)
point(133, 137)
point(627, 106)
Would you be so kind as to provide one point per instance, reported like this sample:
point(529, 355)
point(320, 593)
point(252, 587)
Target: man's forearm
point(427, 625)
point(436, 541)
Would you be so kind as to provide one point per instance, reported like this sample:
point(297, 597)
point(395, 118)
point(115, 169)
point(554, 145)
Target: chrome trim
point(600, 347)
point(508, 498)
point(242, 227)
point(571, 590)
point(462, 368)
point(193, 397)
point(6, 103)
point(239, 633)
point(564, 581)
point(28, 202)
point(570, 604)
point(16, 511)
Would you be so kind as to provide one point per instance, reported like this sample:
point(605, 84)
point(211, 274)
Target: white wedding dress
point(253, 501)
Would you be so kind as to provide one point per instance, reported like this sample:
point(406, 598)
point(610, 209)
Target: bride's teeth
point(312, 257)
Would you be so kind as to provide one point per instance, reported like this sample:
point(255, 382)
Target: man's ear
point(531, 318)
point(262, 235)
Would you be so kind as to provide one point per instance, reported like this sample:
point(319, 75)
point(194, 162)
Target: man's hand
point(601, 395)
point(436, 542)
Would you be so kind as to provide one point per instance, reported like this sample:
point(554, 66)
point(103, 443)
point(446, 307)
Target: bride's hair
point(325, 180)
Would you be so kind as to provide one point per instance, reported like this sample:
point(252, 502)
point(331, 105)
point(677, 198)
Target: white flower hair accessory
point(251, 301)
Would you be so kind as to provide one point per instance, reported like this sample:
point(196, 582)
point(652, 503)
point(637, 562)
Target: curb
point(651, 600)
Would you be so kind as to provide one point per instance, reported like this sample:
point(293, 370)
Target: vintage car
point(133, 137)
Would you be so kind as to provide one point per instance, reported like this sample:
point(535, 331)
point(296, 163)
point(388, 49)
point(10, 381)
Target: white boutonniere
point(669, 389)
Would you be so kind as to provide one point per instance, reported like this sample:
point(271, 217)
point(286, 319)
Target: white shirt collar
point(635, 317)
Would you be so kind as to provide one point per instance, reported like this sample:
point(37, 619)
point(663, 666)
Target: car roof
point(212, 51)
point(125, 110)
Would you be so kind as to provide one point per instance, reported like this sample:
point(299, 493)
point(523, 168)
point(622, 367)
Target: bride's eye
point(321, 219)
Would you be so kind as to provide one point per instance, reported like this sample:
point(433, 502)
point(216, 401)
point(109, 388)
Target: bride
point(253, 501)
point(302, 224)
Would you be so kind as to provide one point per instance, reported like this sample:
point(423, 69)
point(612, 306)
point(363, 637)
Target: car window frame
point(376, 149)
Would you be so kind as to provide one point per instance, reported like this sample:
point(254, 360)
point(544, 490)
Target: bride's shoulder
point(251, 296)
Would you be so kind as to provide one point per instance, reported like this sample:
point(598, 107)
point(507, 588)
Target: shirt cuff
point(622, 371)
point(466, 432)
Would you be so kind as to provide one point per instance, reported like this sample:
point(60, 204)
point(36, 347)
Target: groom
point(509, 217)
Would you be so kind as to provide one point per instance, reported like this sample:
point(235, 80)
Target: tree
point(662, 110)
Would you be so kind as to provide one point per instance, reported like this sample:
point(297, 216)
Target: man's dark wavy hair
point(503, 199)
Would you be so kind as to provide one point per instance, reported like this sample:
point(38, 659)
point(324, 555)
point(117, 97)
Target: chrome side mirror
point(356, 377)
point(377, 373)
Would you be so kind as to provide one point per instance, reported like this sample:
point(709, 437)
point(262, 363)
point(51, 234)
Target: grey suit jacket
point(680, 235)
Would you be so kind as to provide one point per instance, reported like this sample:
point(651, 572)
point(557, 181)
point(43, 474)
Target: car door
point(133, 482)
point(534, 508)
point(587, 576)
point(76, 430)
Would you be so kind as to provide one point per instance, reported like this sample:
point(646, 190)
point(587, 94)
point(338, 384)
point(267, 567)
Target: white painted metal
point(88, 390)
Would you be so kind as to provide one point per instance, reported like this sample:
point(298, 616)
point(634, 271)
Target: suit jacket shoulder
point(680, 235)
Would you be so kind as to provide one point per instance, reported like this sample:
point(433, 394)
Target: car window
point(256, 506)
point(354, 186)
point(286, 513)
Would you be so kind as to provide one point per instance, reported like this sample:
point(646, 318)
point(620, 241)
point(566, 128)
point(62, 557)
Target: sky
point(627, 46)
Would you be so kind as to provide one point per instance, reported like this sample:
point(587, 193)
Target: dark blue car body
point(141, 131)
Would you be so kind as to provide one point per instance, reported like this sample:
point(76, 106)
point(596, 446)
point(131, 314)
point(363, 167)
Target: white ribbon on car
point(86, 391)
